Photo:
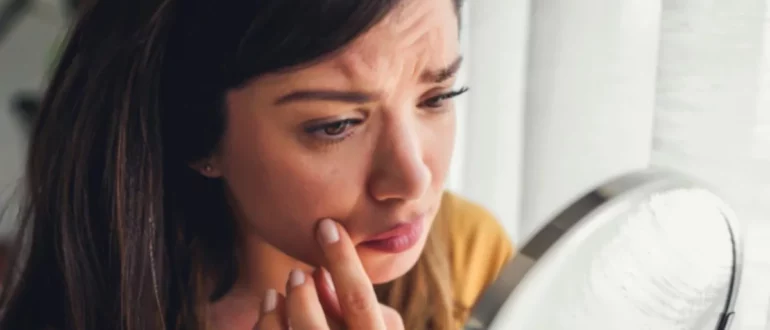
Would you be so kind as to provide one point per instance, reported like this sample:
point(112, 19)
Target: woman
point(207, 165)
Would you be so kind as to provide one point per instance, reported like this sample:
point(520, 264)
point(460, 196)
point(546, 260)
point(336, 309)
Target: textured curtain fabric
point(589, 101)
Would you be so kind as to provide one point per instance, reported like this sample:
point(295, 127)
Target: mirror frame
point(611, 195)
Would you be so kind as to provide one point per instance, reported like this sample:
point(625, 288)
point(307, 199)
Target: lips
point(400, 238)
point(398, 230)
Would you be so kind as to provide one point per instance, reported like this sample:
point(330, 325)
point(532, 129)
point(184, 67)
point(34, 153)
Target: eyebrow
point(444, 74)
point(435, 76)
point(326, 95)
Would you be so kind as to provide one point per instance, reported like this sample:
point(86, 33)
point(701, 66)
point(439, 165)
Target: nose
point(399, 171)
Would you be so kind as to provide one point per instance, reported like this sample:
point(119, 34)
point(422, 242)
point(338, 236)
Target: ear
point(208, 167)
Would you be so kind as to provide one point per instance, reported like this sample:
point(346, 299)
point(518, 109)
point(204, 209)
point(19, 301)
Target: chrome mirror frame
point(614, 194)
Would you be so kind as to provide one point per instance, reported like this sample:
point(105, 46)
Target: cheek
point(439, 148)
point(281, 189)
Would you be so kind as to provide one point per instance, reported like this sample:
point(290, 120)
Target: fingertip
point(327, 293)
point(335, 243)
point(270, 301)
point(304, 308)
point(272, 314)
point(296, 278)
point(328, 232)
point(322, 275)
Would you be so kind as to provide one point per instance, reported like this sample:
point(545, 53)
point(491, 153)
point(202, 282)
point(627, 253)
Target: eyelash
point(444, 97)
point(328, 139)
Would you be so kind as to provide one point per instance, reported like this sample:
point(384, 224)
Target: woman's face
point(364, 137)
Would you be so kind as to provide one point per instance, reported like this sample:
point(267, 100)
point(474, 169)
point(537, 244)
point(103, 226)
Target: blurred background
point(565, 95)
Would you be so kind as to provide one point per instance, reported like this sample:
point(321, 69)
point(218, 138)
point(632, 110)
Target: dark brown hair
point(115, 227)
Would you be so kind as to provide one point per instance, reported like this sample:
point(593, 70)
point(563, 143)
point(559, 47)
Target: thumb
point(392, 318)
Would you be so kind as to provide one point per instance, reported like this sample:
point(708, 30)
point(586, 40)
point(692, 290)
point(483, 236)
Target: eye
point(337, 128)
point(439, 100)
point(333, 130)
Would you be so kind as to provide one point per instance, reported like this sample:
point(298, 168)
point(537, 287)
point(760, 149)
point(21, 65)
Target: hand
point(342, 298)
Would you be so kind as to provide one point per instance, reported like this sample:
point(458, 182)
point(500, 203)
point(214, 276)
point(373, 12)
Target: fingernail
point(271, 300)
point(328, 231)
point(329, 282)
point(296, 278)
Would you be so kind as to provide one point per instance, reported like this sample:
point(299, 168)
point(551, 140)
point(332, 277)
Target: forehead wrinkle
point(345, 64)
point(407, 28)
point(400, 47)
point(378, 73)
point(420, 64)
point(383, 71)
point(420, 31)
point(353, 65)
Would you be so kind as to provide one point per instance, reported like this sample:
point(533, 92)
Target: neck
point(261, 267)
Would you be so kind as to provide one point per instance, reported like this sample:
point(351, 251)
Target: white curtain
point(567, 94)
point(490, 132)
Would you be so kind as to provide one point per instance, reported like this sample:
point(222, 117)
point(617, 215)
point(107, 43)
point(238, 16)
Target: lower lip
point(407, 238)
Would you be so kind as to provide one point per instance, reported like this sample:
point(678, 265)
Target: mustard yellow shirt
point(480, 247)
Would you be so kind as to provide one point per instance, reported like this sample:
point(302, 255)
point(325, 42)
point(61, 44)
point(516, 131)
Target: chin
point(385, 267)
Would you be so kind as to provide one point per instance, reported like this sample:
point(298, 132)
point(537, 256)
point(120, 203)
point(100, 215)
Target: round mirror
point(649, 250)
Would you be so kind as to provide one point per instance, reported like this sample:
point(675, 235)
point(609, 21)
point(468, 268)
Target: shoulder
point(479, 246)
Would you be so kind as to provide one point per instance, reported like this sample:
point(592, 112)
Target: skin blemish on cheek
point(335, 171)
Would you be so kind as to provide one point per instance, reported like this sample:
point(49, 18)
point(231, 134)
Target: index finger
point(355, 292)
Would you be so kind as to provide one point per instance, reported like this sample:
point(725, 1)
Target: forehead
point(413, 25)
point(417, 35)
